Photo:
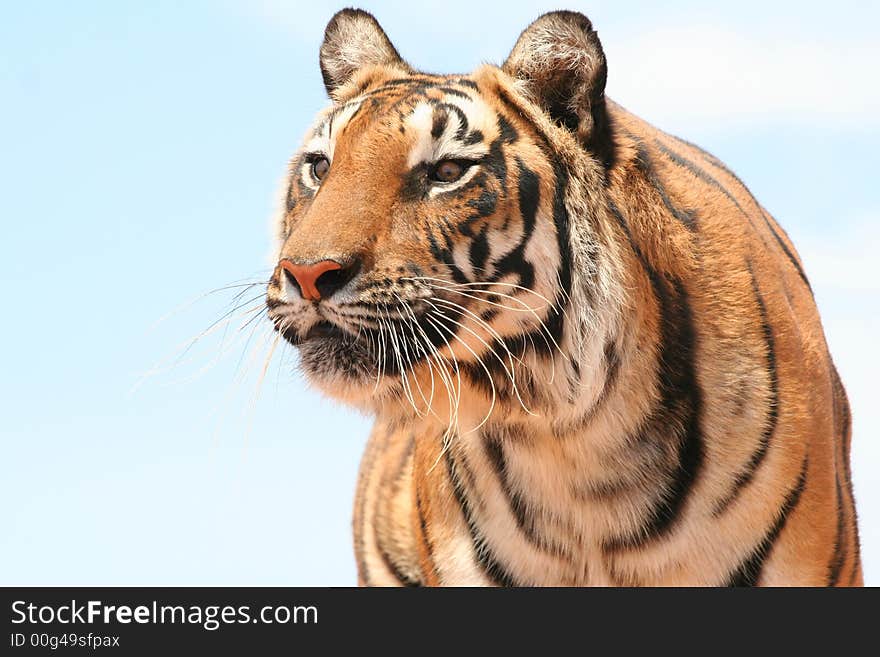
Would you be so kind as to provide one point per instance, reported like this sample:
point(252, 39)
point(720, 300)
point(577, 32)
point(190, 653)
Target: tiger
point(593, 358)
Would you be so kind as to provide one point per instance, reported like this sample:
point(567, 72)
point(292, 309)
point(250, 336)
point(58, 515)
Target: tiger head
point(443, 232)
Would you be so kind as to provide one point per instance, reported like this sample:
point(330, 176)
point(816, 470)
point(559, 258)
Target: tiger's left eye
point(447, 171)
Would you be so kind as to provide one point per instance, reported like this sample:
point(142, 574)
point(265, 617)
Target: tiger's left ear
point(354, 39)
point(560, 63)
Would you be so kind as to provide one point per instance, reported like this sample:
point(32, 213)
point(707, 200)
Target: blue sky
point(141, 145)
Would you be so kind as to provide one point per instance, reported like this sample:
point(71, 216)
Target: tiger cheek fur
point(593, 357)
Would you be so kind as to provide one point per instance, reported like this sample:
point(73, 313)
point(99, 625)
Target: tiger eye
point(448, 171)
point(320, 168)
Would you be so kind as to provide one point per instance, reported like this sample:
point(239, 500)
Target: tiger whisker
point(489, 283)
point(173, 361)
point(481, 322)
point(447, 436)
point(453, 287)
point(442, 371)
point(527, 308)
point(410, 360)
point(498, 358)
point(407, 391)
point(453, 390)
point(479, 360)
point(191, 302)
point(219, 322)
point(250, 336)
point(417, 345)
point(251, 412)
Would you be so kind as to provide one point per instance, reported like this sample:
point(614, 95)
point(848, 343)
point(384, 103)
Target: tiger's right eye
point(447, 171)
point(320, 167)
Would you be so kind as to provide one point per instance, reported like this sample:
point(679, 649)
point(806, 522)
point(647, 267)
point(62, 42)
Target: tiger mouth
point(322, 330)
point(325, 330)
point(326, 349)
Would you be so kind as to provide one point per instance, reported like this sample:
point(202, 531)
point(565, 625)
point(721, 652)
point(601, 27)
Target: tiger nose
point(319, 280)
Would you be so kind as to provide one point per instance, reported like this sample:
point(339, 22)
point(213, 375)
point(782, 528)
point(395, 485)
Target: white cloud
point(688, 73)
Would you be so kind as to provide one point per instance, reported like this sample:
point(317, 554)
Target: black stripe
point(483, 554)
point(519, 508)
point(458, 93)
point(515, 261)
point(463, 125)
point(718, 164)
point(290, 198)
point(555, 319)
point(856, 568)
point(843, 488)
point(846, 422)
point(846, 437)
point(771, 416)
point(787, 251)
point(608, 491)
point(338, 110)
point(401, 577)
point(424, 529)
point(414, 186)
point(495, 163)
point(506, 132)
point(439, 122)
point(749, 571)
point(479, 250)
point(443, 253)
point(529, 197)
point(700, 173)
point(369, 457)
point(393, 85)
point(483, 205)
point(612, 369)
point(838, 555)
point(545, 144)
point(714, 161)
point(677, 415)
point(474, 137)
point(688, 218)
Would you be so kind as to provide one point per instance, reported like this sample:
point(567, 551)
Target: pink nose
point(306, 276)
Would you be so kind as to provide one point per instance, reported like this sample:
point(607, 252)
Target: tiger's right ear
point(559, 62)
point(354, 39)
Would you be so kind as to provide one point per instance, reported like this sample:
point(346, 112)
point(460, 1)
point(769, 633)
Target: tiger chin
point(593, 357)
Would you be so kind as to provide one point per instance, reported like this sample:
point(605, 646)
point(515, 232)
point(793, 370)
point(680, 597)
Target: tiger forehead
point(420, 104)
point(425, 86)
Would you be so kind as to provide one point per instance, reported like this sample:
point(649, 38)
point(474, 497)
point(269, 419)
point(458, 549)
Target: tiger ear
point(560, 63)
point(354, 39)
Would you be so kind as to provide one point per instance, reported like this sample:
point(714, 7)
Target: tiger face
point(424, 232)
